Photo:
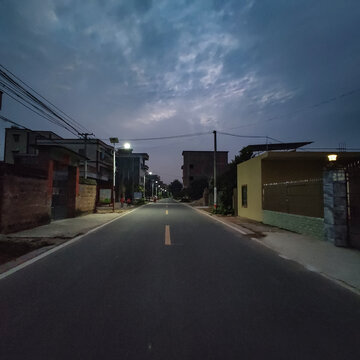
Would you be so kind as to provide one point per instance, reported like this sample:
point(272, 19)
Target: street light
point(332, 157)
point(114, 140)
point(127, 146)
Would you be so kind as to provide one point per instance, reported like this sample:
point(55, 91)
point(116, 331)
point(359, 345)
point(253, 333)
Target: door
point(60, 192)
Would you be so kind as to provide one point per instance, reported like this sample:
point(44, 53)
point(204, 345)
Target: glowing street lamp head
point(150, 173)
point(127, 146)
point(332, 157)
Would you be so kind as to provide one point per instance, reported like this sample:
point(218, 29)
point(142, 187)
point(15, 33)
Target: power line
point(250, 136)
point(197, 134)
point(38, 111)
point(166, 137)
point(310, 107)
point(17, 88)
point(69, 117)
point(47, 109)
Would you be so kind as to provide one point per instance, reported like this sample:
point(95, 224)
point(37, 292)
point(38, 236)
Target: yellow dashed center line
point(166, 212)
point(167, 235)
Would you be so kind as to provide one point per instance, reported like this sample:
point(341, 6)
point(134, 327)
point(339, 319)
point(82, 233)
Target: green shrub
point(105, 201)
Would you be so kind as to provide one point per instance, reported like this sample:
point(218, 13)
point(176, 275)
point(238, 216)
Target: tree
point(175, 188)
point(228, 180)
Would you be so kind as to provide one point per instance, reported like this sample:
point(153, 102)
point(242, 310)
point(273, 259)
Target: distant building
point(99, 155)
point(99, 164)
point(200, 164)
point(95, 155)
point(22, 141)
point(130, 173)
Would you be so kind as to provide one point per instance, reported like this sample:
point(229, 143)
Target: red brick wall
point(24, 201)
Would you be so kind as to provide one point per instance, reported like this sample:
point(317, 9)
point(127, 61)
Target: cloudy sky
point(289, 69)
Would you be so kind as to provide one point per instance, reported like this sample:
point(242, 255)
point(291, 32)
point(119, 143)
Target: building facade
point(200, 164)
point(130, 173)
point(22, 141)
point(287, 190)
point(96, 156)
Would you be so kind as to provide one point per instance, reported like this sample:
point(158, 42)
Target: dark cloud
point(144, 68)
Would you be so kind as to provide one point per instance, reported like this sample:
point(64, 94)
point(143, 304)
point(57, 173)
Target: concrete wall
point(301, 224)
point(24, 201)
point(85, 198)
point(249, 173)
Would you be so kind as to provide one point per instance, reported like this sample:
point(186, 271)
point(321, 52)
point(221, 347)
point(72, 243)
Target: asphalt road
point(166, 282)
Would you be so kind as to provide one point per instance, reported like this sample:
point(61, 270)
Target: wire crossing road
point(166, 282)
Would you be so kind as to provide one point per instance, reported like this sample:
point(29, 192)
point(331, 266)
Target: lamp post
point(114, 141)
point(150, 173)
point(215, 190)
point(127, 146)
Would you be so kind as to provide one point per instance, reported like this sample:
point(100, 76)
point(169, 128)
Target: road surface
point(165, 282)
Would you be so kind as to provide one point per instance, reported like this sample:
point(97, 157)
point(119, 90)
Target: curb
point(308, 267)
point(24, 261)
point(237, 228)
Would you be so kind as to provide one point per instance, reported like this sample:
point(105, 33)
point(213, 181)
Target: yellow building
point(285, 189)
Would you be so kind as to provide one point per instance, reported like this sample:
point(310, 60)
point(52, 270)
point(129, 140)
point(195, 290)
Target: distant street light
point(127, 146)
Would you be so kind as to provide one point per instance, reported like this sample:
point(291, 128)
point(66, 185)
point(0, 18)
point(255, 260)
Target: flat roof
point(210, 151)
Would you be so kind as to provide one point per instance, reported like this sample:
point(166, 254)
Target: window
point(16, 137)
point(244, 196)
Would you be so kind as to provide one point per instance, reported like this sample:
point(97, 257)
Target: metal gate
point(353, 189)
point(59, 207)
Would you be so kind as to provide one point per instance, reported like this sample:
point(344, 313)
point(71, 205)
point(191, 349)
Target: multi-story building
point(130, 173)
point(96, 156)
point(99, 163)
point(22, 141)
point(200, 164)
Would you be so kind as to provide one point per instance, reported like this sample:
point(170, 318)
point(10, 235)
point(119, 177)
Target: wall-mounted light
point(332, 157)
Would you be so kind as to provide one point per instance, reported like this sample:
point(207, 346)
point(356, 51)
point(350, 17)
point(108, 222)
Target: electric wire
point(41, 115)
point(23, 82)
point(305, 108)
point(50, 112)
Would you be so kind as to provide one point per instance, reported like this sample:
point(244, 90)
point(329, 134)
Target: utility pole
point(85, 135)
point(114, 141)
point(215, 190)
